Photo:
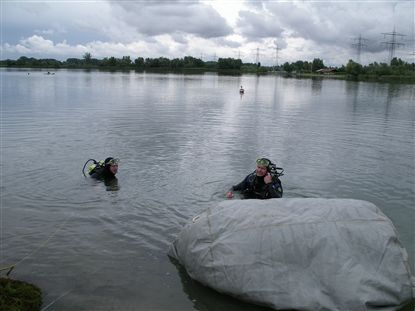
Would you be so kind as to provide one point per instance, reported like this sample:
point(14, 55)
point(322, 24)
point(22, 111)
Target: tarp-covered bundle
point(301, 254)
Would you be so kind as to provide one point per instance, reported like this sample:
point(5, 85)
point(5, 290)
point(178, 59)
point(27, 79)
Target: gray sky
point(301, 30)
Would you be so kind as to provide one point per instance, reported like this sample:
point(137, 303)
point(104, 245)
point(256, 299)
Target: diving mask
point(114, 161)
point(263, 162)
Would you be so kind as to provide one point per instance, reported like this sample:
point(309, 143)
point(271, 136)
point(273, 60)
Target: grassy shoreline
point(19, 296)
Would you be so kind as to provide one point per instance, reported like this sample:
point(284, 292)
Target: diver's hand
point(229, 194)
point(267, 178)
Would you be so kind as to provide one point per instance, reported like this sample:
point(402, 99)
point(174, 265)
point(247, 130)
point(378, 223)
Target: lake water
point(183, 140)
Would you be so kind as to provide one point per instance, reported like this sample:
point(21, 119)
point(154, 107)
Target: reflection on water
point(316, 86)
point(183, 140)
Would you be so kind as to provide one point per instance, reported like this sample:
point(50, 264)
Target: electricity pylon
point(257, 54)
point(392, 43)
point(360, 43)
point(276, 48)
point(276, 55)
point(239, 54)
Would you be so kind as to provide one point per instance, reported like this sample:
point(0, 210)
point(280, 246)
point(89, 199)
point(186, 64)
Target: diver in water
point(263, 183)
point(105, 171)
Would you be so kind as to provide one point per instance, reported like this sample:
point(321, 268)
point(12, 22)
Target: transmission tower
point(276, 56)
point(239, 54)
point(257, 54)
point(360, 43)
point(276, 48)
point(392, 44)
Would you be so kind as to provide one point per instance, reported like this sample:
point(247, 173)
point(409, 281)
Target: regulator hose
point(83, 169)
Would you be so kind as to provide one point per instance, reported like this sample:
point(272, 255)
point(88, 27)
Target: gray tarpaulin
point(301, 254)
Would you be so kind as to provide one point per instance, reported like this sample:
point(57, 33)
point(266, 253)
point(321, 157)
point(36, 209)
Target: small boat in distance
point(241, 90)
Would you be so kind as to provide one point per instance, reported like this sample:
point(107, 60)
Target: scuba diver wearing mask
point(263, 183)
point(104, 170)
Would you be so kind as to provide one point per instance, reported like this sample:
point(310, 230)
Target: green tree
point(298, 66)
point(399, 67)
point(23, 61)
point(177, 63)
point(164, 62)
point(192, 62)
point(317, 64)
point(353, 68)
point(73, 62)
point(341, 69)
point(397, 62)
point(125, 61)
point(112, 61)
point(287, 67)
point(87, 58)
point(151, 63)
point(229, 63)
point(139, 62)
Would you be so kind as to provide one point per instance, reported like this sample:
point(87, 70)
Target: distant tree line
point(125, 62)
point(397, 67)
point(304, 66)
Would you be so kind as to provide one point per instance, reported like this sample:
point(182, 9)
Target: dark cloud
point(227, 43)
point(255, 4)
point(258, 25)
point(329, 23)
point(57, 21)
point(319, 23)
point(157, 18)
point(280, 43)
point(19, 20)
point(179, 38)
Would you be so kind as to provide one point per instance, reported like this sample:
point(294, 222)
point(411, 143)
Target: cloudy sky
point(268, 31)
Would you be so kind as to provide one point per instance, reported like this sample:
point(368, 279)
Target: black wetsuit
point(254, 187)
point(103, 173)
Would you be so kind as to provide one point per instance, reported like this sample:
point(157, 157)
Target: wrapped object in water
point(300, 254)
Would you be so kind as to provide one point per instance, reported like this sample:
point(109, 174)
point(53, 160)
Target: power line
point(240, 54)
point(360, 43)
point(276, 48)
point(392, 44)
point(257, 54)
point(276, 55)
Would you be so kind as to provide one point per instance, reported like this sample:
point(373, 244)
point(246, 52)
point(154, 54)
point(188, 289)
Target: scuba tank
point(93, 167)
point(99, 165)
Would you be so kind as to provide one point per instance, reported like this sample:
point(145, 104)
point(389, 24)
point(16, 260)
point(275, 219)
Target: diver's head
point(262, 167)
point(111, 164)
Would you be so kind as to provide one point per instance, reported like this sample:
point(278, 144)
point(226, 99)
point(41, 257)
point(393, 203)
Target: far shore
point(404, 79)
